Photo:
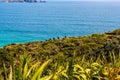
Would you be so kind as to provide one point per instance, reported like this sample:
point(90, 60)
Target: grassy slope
point(89, 45)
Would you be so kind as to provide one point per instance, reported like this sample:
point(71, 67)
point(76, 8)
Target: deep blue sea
point(24, 22)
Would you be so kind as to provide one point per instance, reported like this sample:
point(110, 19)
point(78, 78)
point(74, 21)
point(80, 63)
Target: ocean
point(26, 22)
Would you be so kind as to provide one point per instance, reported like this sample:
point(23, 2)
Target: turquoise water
point(24, 22)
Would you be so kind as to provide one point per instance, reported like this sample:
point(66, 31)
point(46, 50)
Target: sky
point(86, 0)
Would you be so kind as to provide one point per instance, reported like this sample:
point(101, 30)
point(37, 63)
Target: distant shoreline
point(28, 1)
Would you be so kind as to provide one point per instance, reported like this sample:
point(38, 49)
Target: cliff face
point(93, 45)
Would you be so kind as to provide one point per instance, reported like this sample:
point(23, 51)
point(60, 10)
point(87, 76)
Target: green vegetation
point(95, 57)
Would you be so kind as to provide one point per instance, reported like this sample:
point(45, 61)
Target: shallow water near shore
point(24, 22)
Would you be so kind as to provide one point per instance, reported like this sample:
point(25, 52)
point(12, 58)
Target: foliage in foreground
point(29, 69)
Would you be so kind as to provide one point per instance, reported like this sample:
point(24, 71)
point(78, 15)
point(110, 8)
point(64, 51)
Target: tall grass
point(27, 69)
point(74, 68)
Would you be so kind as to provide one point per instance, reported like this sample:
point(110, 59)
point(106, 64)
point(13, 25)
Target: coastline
point(43, 40)
point(97, 50)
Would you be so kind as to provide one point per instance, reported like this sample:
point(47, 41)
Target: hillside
point(90, 46)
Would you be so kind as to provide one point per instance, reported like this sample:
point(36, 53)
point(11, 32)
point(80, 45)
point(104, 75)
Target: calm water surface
point(24, 22)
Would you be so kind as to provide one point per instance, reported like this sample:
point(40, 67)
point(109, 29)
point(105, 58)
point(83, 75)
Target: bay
point(25, 22)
